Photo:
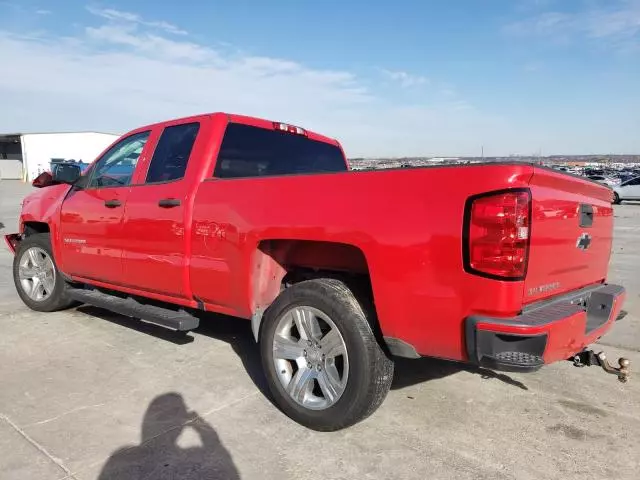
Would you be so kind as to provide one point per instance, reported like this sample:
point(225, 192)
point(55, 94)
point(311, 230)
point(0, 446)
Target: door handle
point(169, 203)
point(112, 203)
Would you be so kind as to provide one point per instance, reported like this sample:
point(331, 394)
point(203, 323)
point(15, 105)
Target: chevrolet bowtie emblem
point(584, 241)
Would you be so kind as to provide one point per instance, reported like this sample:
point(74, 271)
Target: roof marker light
point(285, 127)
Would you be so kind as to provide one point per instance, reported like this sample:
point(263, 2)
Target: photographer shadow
point(161, 454)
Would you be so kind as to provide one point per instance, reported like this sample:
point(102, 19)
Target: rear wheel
point(323, 364)
point(616, 198)
point(36, 276)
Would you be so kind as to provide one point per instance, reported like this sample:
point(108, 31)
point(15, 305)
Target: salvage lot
point(88, 394)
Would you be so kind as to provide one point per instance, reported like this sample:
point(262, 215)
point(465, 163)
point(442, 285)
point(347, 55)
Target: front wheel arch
point(32, 228)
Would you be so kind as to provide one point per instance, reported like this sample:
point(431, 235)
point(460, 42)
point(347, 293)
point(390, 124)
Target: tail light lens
point(497, 230)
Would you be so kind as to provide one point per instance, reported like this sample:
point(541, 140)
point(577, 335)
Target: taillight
point(496, 235)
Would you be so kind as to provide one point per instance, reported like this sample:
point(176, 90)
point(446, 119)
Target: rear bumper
point(544, 333)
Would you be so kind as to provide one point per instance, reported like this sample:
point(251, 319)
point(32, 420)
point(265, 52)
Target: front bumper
point(545, 332)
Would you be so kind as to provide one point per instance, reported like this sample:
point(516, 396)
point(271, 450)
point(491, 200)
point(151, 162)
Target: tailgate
point(571, 234)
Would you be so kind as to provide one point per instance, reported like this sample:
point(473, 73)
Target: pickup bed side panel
point(407, 223)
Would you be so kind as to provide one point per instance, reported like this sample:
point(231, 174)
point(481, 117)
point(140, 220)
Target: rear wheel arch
point(280, 263)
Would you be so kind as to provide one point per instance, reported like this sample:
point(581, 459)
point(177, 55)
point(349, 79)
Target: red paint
point(554, 257)
point(231, 241)
point(92, 235)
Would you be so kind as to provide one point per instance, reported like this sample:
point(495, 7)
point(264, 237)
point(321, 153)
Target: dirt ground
point(87, 394)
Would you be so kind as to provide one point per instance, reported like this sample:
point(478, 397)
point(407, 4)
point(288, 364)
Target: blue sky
point(385, 78)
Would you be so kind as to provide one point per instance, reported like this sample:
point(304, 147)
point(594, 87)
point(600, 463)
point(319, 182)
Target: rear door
point(91, 215)
point(156, 223)
point(571, 234)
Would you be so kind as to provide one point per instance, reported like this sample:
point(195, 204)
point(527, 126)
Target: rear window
point(248, 151)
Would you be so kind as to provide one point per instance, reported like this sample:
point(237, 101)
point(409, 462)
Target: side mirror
point(43, 180)
point(67, 173)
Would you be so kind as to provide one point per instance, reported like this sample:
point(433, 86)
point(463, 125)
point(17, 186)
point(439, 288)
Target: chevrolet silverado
point(503, 266)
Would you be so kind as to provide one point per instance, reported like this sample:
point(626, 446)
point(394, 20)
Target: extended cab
point(498, 265)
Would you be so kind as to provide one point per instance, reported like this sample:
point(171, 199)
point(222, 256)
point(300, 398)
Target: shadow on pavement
point(162, 454)
point(179, 338)
point(237, 333)
point(410, 372)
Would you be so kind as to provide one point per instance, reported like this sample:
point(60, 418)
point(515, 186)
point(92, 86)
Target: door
point(92, 214)
point(630, 189)
point(154, 258)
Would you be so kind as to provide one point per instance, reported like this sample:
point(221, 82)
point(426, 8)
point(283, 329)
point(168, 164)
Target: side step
point(164, 317)
point(513, 362)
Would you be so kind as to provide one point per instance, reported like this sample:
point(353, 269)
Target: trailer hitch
point(586, 358)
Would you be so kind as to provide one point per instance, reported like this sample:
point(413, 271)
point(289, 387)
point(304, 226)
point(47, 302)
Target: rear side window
point(171, 156)
point(248, 151)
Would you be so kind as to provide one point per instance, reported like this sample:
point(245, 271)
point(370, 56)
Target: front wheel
point(36, 276)
point(323, 364)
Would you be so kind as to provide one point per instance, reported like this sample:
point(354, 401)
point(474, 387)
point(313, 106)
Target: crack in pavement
point(38, 447)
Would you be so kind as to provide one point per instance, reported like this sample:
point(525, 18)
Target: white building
point(26, 155)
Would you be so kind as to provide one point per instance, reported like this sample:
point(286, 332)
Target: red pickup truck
point(499, 265)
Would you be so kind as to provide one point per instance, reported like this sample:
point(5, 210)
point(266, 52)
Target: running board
point(164, 317)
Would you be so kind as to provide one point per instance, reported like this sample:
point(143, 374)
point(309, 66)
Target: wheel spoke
point(300, 384)
point(38, 289)
point(27, 273)
point(331, 387)
point(332, 344)
point(35, 258)
point(37, 274)
point(307, 324)
point(287, 348)
point(49, 283)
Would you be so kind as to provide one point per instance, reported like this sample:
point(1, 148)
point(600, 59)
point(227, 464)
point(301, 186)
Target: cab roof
point(235, 118)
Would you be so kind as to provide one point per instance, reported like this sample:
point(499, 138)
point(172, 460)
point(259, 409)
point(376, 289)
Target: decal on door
point(74, 240)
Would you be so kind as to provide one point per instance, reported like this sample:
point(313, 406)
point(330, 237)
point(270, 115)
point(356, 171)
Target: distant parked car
point(629, 190)
point(602, 179)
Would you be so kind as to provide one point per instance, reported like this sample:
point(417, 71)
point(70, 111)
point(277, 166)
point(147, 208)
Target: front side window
point(170, 159)
point(116, 167)
point(249, 151)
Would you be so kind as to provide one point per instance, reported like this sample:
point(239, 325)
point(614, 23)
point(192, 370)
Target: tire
point(616, 199)
point(54, 296)
point(369, 371)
